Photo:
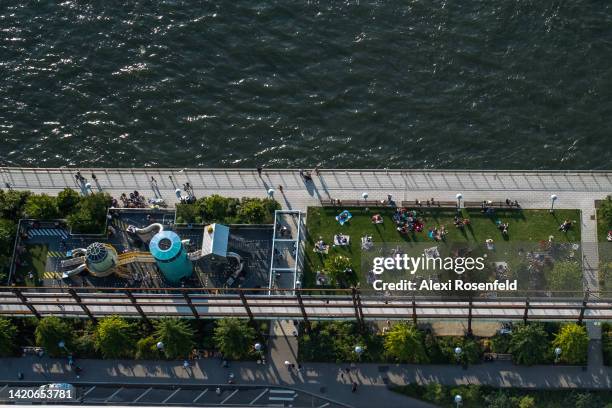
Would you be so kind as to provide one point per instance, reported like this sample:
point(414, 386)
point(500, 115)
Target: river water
point(358, 84)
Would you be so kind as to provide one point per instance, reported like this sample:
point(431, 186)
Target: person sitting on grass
point(490, 244)
point(565, 226)
point(609, 238)
point(503, 227)
point(377, 219)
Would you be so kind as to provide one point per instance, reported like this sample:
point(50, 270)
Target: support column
point(303, 309)
point(357, 314)
point(24, 300)
point(246, 306)
point(469, 330)
point(414, 312)
point(526, 311)
point(194, 311)
point(584, 306)
point(142, 314)
point(79, 301)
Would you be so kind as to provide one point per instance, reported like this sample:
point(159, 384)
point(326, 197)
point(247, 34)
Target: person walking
point(354, 387)
point(93, 176)
point(280, 188)
point(259, 170)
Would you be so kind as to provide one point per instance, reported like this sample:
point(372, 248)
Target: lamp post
point(553, 198)
point(160, 346)
point(359, 352)
point(458, 400)
point(61, 344)
point(459, 196)
point(458, 353)
point(557, 354)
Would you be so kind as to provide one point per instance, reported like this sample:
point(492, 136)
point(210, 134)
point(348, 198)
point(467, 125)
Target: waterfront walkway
point(323, 379)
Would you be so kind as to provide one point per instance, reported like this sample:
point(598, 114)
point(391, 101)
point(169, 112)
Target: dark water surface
point(466, 84)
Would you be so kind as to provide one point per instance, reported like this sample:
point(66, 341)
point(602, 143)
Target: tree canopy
point(529, 344)
point(50, 331)
point(234, 338)
point(565, 275)
point(41, 207)
point(8, 334)
point(404, 342)
point(114, 337)
point(176, 335)
point(573, 341)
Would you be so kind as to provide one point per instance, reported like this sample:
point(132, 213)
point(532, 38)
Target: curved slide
point(74, 272)
point(147, 231)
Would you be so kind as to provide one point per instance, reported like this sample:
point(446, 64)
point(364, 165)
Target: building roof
point(215, 243)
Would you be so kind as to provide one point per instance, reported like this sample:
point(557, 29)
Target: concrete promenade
point(318, 378)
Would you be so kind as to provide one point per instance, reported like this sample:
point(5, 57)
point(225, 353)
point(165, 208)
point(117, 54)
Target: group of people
point(461, 222)
point(133, 200)
point(407, 221)
point(437, 233)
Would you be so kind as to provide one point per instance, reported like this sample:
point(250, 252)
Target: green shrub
point(146, 348)
point(435, 392)
point(115, 337)
point(404, 343)
point(12, 203)
point(41, 207)
point(188, 214)
point(529, 344)
point(216, 208)
point(606, 344)
point(339, 272)
point(252, 211)
point(234, 338)
point(573, 341)
point(90, 214)
point(176, 335)
point(67, 201)
point(50, 331)
point(500, 343)
point(8, 335)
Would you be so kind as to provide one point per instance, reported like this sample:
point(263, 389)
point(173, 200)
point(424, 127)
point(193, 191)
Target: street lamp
point(458, 400)
point(257, 346)
point(61, 344)
point(557, 354)
point(358, 351)
point(364, 195)
point(553, 198)
point(458, 352)
point(459, 197)
point(160, 346)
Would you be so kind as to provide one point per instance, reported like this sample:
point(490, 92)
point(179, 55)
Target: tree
point(339, 270)
point(67, 201)
point(573, 341)
point(90, 214)
point(146, 348)
point(8, 334)
point(50, 331)
point(527, 401)
point(529, 344)
point(252, 211)
point(404, 342)
point(565, 275)
point(234, 338)
point(12, 203)
point(187, 213)
point(605, 210)
point(606, 345)
point(498, 399)
point(41, 207)
point(114, 337)
point(217, 208)
point(177, 336)
point(7, 236)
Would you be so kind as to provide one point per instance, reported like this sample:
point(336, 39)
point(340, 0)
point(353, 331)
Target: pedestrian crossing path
point(58, 232)
point(279, 395)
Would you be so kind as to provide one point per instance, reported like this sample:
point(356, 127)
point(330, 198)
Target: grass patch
point(476, 396)
point(530, 226)
point(34, 260)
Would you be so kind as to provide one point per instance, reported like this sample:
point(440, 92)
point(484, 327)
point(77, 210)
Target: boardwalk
point(532, 189)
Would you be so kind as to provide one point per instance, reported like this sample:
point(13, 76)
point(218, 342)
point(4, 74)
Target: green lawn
point(33, 260)
point(602, 227)
point(525, 226)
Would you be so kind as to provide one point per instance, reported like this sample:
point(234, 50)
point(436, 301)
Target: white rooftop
point(215, 242)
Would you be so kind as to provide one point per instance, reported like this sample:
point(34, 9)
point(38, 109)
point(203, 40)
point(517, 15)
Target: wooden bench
point(353, 203)
point(492, 204)
point(432, 204)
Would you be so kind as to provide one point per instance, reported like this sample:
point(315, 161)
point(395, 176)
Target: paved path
point(318, 378)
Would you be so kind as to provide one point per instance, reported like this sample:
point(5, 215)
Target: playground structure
point(166, 250)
